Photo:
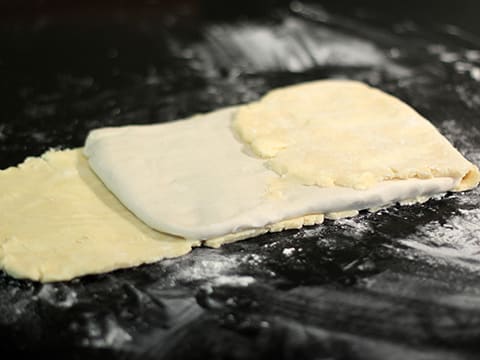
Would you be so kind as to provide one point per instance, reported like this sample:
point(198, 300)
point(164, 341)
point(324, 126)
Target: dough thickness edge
point(38, 274)
point(470, 180)
point(295, 223)
point(41, 254)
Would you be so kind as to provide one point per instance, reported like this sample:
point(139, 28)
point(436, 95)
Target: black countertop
point(402, 283)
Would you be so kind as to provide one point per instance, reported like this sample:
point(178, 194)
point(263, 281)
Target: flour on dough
point(193, 178)
point(345, 133)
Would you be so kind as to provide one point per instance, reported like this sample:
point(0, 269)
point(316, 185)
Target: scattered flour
point(356, 228)
point(57, 295)
point(311, 231)
point(456, 241)
point(212, 267)
point(105, 334)
point(204, 266)
point(293, 44)
point(234, 280)
point(288, 251)
point(252, 259)
point(464, 61)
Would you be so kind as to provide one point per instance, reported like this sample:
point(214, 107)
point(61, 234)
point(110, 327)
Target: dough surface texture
point(58, 221)
point(194, 179)
point(345, 133)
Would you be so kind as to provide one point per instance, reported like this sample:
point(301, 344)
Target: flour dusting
point(57, 295)
point(106, 333)
point(356, 227)
point(292, 45)
point(234, 280)
point(288, 251)
point(455, 241)
point(212, 267)
point(207, 266)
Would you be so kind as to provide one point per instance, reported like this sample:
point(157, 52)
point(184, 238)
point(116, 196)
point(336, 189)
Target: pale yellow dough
point(58, 221)
point(295, 223)
point(345, 133)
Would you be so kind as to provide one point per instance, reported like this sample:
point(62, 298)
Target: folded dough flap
point(470, 180)
point(345, 133)
point(195, 178)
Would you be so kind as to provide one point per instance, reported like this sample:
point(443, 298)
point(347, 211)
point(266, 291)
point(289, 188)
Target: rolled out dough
point(345, 133)
point(194, 179)
point(58, 221)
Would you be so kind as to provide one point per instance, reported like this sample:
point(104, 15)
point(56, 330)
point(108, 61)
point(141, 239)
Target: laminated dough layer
point(194, 179)
point(345, 133)
point(58, 221)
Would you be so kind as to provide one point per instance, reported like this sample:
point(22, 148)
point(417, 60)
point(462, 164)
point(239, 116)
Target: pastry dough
point(345, 133)
point(194, 179)
point(58, 221)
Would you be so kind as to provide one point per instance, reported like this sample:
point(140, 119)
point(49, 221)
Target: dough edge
point(21, 260)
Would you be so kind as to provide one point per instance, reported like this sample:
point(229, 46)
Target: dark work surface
point(401, 283)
